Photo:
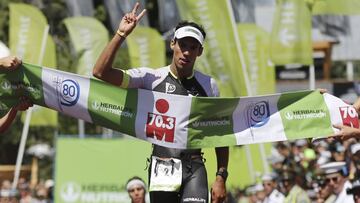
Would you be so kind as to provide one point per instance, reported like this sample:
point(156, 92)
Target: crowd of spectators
point(26, 193)
point(326, 170)
point(322, 171)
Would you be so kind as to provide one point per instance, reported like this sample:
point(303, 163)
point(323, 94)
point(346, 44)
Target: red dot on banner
point(162, 106)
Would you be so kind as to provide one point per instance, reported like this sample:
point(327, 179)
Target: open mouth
point(184, 61)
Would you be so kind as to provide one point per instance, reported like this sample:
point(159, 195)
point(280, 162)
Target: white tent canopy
point(4, 50)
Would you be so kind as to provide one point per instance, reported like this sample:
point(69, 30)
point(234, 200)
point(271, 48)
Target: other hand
point(24, 104)
point(218, 190)
point(10, 62)
point(346, 132)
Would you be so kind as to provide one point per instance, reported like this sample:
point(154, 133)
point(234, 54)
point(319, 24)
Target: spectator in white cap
point(355, 191)
point(270, 185)
point(336, 177)
point(276, 160)
point(260, 193)
point(136, 189)
point(251, 194)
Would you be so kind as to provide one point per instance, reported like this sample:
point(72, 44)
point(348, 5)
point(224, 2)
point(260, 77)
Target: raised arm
point(103, 68)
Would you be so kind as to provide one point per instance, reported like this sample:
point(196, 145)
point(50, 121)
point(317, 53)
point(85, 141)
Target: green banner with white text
point(26, 31)
point(99, 169)
point(178, 121)
point(146, 48)
point(255, 46)
point(291, 33)
point(220, 57)
point(89, 37)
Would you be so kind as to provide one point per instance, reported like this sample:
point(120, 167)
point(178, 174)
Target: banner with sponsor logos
point(89, 38)
point(291, 33)
point(178, 121)
point(99, 170)
point(146, 48)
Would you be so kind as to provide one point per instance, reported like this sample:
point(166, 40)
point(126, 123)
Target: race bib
point(166, 174)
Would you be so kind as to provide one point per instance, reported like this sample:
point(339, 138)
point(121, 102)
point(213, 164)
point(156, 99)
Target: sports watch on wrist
point(223, 173)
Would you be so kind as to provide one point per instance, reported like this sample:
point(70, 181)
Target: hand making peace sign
point(129, 21)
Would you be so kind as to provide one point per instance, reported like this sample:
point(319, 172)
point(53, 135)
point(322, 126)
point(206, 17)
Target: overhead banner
point(291, 33)
point(99, 169)
point(178, 121)
point(146, 48)
point(89, 38)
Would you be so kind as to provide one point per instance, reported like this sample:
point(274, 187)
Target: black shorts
point(194, 186)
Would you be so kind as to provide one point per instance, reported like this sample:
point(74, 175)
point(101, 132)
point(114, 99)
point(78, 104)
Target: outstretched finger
point(141, 15)
point(136, 7)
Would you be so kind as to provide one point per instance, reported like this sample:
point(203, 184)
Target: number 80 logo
point(70, 92)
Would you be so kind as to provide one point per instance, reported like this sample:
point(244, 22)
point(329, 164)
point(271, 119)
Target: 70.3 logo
point(161, 127)
point(349, 116)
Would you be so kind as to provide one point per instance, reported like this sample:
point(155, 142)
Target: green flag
point(89, 38)
point(43, 116)
point(336, 7)
point(99, 169)
point(146, 48)
point(220, 58)
point(27, 25)
point(291, 33)
point(255, 46)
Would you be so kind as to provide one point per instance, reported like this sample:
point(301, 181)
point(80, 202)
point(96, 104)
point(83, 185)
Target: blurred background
point(253, 47)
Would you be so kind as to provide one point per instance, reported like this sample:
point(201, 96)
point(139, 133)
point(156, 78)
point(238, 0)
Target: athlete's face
point(186, 50)
point(137, 194)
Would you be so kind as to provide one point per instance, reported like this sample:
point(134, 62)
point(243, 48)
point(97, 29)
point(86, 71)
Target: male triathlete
point(177, 78)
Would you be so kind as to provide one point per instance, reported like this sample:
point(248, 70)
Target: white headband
point(189, 31)
point(133, 183)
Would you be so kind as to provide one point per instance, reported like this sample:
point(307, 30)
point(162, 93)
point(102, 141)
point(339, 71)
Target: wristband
point(121, 34)
point(223, 173)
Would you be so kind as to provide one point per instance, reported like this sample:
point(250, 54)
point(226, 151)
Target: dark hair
point(192, 24)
